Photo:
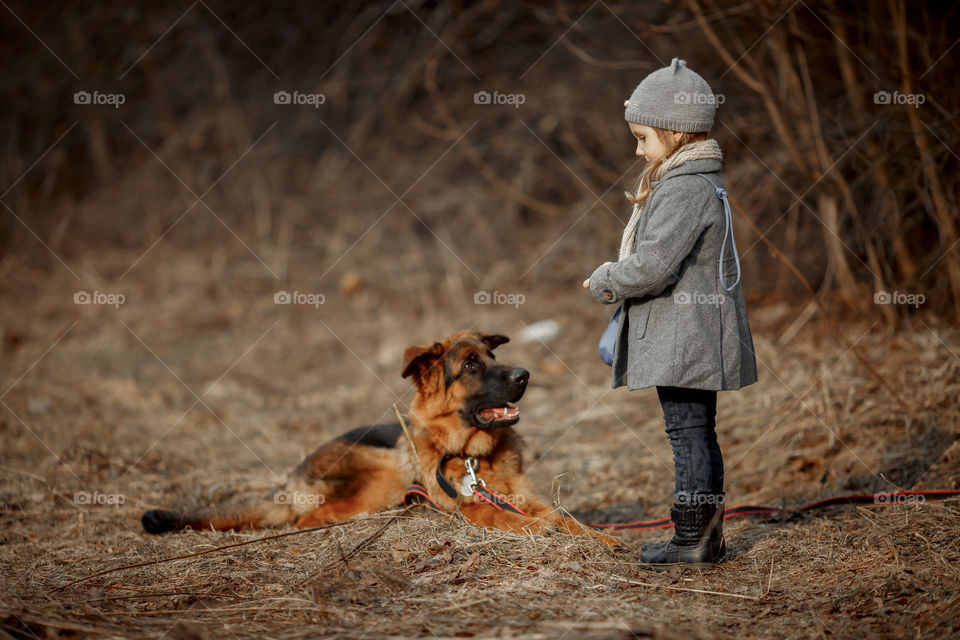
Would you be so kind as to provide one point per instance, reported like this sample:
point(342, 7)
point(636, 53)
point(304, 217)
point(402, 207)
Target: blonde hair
point(641, 190)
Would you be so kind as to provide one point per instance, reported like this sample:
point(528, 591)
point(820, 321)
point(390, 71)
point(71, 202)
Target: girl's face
point(649, 145)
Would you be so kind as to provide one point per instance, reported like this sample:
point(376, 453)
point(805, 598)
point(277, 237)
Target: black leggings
point(690, 416)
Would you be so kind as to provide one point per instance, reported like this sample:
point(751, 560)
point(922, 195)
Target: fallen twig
point(376, 534)
point(672, 588)
point(214, 550)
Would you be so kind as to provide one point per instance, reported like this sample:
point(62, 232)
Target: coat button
point(608, 294)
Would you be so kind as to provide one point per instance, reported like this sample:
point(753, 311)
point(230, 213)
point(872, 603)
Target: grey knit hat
point(673, 98)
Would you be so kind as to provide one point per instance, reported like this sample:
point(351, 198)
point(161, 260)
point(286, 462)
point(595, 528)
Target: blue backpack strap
point(728, 231)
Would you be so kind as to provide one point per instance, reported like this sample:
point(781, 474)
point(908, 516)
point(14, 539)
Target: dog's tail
point(247, 512)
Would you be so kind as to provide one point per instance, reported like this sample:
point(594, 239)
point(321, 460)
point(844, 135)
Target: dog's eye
point(469, 365)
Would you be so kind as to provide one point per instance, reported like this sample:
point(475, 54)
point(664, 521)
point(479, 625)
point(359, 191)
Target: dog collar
point(469, 481)
point(471, 485)
point(442, 480)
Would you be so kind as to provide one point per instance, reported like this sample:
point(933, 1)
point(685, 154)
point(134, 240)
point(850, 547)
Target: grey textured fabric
point(680, 328)
point(690, 151)
point(673, 98)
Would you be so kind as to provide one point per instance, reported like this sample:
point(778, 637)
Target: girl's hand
point(586, 283)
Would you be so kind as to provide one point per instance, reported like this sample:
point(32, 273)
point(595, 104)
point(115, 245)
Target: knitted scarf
point(692, 151)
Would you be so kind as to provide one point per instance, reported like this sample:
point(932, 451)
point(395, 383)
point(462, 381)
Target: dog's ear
point(493, 340)
point(417, 360)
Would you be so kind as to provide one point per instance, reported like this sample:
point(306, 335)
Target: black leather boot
point(717, 543)
point(698, 535)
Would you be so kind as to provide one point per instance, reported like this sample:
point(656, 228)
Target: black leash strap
point(417, 494)
point(448, 488)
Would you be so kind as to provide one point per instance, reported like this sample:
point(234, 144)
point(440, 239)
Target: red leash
point(417, 494)
point(876, 499)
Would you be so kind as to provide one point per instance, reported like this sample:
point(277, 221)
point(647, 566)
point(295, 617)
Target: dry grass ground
point(199, 384)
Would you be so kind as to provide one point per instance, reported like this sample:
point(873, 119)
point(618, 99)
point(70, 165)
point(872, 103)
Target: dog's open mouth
point(496, 416)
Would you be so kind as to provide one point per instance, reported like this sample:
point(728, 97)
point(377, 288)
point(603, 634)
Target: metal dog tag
point(466, 485)
point(470, 480)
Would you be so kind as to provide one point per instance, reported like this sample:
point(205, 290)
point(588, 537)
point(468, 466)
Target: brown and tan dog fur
point(464, 406)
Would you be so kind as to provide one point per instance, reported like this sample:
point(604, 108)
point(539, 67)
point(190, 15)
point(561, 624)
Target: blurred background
point(223, 222)
point(838, 121)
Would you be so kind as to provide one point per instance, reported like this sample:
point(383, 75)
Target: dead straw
point(227, 546)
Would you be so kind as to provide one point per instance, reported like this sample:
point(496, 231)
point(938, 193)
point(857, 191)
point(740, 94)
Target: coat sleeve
point(676, 221)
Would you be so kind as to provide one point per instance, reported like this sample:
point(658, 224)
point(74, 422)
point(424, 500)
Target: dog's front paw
point(614, 544)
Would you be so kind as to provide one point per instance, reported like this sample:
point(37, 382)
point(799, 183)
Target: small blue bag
point(608, 340)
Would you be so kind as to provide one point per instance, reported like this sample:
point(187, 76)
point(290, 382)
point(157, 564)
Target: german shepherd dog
point(460, 446)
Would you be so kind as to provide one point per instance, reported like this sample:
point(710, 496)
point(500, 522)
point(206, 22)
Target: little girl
point(684, 325)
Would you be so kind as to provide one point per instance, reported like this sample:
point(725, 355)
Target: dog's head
point(459, 377)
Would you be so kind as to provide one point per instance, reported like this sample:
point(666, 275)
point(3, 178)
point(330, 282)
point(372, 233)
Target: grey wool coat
point(680, 327)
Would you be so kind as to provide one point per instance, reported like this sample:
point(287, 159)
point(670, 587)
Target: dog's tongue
point(499, 413)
